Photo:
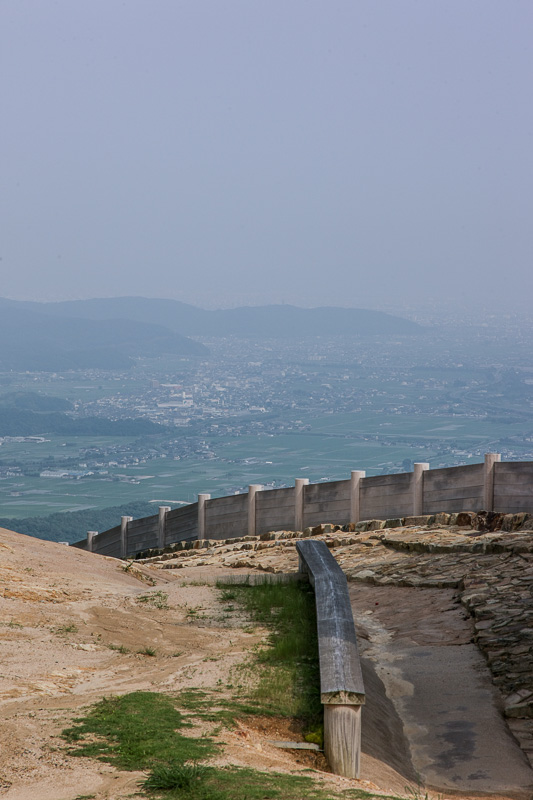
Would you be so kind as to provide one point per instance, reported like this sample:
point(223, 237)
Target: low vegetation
point(286, 671)
point(135, 731)
point(148, 731)
point(155, 599)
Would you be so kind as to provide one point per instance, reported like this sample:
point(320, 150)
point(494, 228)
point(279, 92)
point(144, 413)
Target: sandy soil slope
point(62, 611)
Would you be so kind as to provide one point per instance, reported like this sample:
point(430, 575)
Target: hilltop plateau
point(76, 627)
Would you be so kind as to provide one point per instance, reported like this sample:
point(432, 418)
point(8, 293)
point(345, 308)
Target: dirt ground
point(63, 615)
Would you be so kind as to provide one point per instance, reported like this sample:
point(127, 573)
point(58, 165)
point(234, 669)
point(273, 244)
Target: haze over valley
point(340, 390)
point(245, 243)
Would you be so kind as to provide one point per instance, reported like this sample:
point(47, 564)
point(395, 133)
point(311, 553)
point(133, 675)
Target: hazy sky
point(224, 152)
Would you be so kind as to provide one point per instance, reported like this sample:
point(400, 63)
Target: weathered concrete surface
point(447, 710)
point(458, 737)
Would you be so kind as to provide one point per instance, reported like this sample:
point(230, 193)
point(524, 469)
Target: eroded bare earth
point(74, 628)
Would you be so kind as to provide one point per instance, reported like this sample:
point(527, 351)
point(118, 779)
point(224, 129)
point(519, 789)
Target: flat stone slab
point(294, 745)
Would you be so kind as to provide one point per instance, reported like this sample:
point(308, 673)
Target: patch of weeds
point(11, 624)
point(232, 783)
point(135, 731)
point(147, 651)
point(285, 674)
point(70, 628)
point(178, 653)
point(175, 776)
point(202, 705)
point(227, 595)
point(155, 599)
point(120, 648)
point(193, 613)
point(195, 583)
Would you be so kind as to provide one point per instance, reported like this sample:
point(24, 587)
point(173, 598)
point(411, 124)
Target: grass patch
point(70, 628)
point(287, 675)
point(147, 651)
point(120, 648)
point(135, 731)
point(154, 599)
point(166, 777)
point(194, 613)
point(232, 783)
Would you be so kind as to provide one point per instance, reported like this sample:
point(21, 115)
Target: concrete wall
point(226, 517)
point(274, 510)
point(108, 542)
point(142, 534)
point(454, 489)
point(322, 500)
point(492, 486)
point(513, 486)
point(182, 524)
point(386, 496)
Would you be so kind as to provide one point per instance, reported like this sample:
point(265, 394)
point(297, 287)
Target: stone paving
point(491, 571)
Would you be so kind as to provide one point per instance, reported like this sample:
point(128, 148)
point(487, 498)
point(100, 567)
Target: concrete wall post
point(418, 487)
point(124, 536)
point(90, 540)
point(161, 524)
point(488, 480)
point(355, 495)
point(252, 491)
point(299, 484)
point(202, 500)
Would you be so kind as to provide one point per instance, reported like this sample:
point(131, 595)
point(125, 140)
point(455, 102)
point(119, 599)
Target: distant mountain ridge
point(282, 321)
point(33, 338)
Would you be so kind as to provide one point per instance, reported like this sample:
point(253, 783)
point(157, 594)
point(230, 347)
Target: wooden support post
point(342, 739)
point(161, 524)
point(90, 540)
point(202, 500)
point(124, 536)
point(252, 491)
point(488, 480)
point(418, 487)
point(299, 503)
point(341, 681)
point(355, 495)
